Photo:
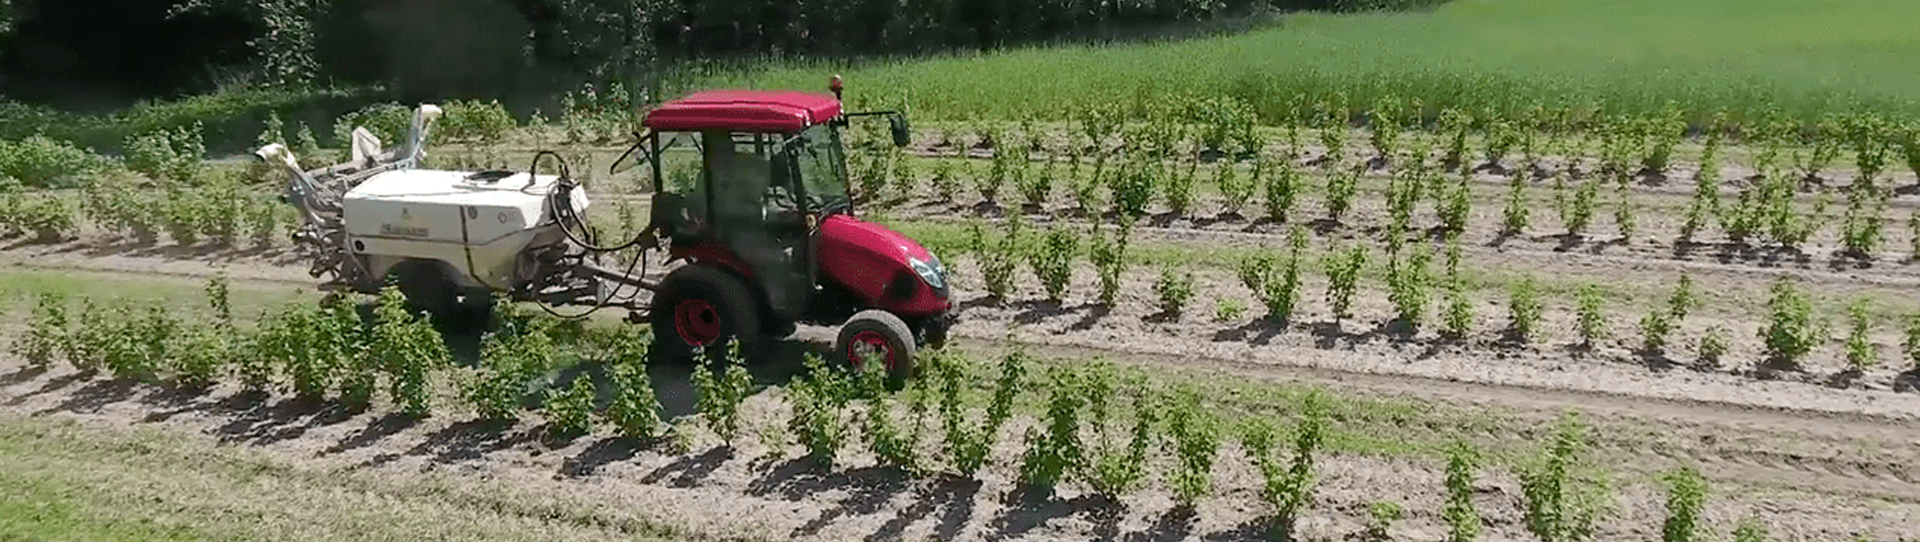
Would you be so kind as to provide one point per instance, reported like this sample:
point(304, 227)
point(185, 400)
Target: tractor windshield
point(822, 168)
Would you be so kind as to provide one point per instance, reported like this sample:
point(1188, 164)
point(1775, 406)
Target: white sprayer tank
point(475, 224)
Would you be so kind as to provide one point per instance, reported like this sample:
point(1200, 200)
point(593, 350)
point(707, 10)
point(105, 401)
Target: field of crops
point(1380, 305)
point(1597, 290)
point(1744, 57)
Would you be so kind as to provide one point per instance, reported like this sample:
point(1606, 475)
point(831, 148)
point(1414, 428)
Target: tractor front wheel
point(880, 336)
point(699, 309)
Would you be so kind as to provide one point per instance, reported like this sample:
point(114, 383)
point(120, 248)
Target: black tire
point(877, 329)
point(698, 302)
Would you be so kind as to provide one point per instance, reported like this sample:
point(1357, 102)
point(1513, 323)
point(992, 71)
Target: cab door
point(760, 215)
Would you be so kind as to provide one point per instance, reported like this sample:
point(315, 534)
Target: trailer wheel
point(425, 286)
point(882, 335)
point(698, 308)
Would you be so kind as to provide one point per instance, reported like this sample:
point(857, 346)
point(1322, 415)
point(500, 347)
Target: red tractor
point(751, 193)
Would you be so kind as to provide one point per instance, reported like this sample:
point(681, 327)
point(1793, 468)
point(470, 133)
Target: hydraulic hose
point(565, 217)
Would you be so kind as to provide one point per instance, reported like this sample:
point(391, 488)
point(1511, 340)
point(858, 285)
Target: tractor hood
point(886, 269)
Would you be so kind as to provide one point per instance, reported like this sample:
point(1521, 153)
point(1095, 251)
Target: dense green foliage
point(1501, 55)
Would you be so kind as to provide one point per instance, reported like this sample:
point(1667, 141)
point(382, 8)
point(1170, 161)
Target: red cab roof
point(749, 110)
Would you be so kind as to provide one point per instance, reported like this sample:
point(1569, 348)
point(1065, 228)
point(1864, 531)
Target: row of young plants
point(178, 153)
point(1227, 127)
point(1767, 213)
point(1421, 295)
point(314, 349)
point(219, 212)
point(1100, 428)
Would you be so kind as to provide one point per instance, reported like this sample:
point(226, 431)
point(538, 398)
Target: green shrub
point(1560, 503)
point(1054, 449)
point(1750, 530)
point(1578, 214)
point(819, 396)
point(409, 349)
point(1592, 314)
point(1195, 435)
point(1341, 187)
point(1281, 189)
point(86, 347)
point(44, 162)
point(46, 335)
point(1456, 208)
point(1686, 504)
point(1501, 137)
point(884, 435)
point(1792, 330)
point(1454, 125)
point(570, 411)
point(387, 121)
point(1459, 310)
point(1343, 278)
point(1663, 133)
point(1383, 128)
point(1908, 141)
point(1235, 190)
point(1289, 485)
point(1712, 346)
point(634, 410)
point(510, 358)
point(1408, 281)
point(1332, 118)
point(721, 395)
point(998, 258)
point(48, 218)
point(967, 446)
point(1036, 187)
point(1086, 189)
point(465, 120)
point(1381, 516)
point(1523, 309)
point(1133, 185)
point(1861, 354)
point(946, 183)
point(1706, 192)
point(1053, 261)
point(175, 154)
point(1179, 189)
point(1463, 520)
point(1623, 214)
point(1174, 289)
point(291, 339)
point(1514, 221)
point(1110, 261)
point(1111, 468)
point(199, 351)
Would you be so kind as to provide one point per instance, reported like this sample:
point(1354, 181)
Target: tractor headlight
point(930, 271)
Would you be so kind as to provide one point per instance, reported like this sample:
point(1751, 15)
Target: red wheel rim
point(697, 322)
point(870, 342)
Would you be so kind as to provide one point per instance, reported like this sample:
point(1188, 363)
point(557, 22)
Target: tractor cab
point(750, 189)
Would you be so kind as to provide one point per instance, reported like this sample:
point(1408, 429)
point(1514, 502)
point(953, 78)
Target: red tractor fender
point(713, 254)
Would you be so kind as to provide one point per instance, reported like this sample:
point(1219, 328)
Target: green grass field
point(1629, 56)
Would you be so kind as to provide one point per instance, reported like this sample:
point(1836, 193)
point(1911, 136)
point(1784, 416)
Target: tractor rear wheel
point(881, 335)
point(699, 309)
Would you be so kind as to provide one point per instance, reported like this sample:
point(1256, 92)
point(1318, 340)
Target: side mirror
point(902, 135)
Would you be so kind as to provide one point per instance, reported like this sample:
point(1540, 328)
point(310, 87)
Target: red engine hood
point(871, 260)
point(842, 232)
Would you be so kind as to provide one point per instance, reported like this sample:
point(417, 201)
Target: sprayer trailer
point(751, 220)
